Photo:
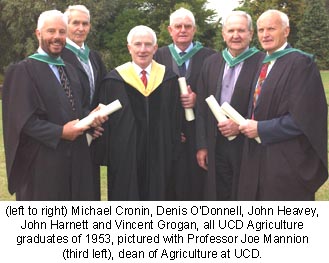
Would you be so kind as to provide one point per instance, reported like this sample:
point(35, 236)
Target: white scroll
point(189, 114)
point(235, 116)
point(103, 111)
point(217, 111)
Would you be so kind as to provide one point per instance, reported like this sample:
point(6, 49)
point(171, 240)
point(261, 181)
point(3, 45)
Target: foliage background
point(112, 20)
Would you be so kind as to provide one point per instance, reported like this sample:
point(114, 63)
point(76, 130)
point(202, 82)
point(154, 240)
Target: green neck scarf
point(47, 59)
point(180, 60)
point(83, 55)
point(242, 57)
point(281, 53)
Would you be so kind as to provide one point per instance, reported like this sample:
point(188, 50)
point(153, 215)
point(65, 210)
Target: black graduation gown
point(292, 169)
point(99, 71)
point(210, 83)
point(43, 167)
point(142, 138)
point(187, 178)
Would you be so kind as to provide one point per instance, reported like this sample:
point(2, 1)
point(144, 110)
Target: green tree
point(293, 8)
point(206, 28)
point(315, 39)
point(154, 14)
point(327, 5)
point(18, 20)
point(116, 34)
point(111, 22)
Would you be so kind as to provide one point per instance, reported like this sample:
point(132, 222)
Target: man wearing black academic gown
point(46, 156)
point(216, 153)
point(90, 68)
point(143, 135)
point(78, 54)
point(289, 117)
point(187, 178)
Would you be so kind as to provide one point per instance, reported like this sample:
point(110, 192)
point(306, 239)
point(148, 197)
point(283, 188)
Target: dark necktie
point(261, 78)
point(66, 85)
point(144, 78)
point(90, 78)
point(227, 85)
point(182, 68)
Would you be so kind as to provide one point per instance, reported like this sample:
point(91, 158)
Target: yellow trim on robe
point(129, 75)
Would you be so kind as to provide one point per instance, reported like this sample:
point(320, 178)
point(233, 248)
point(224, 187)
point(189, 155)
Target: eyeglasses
point(180, 26)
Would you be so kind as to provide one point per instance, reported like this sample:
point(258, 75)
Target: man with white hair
point(46, 156)
point(288, 112)
point(89, 66)
point(185, 57)
point(142, 137)
point(88, 63)
point(228, 76)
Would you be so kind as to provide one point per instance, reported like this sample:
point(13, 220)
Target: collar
point(232, 61)
point(42, 56)
point(74, 44)
point(81, 52)
point(279, 49)
point(284, 50)
point(182, 59)
point(138, 69)
point(189, 48)
point(128, 73)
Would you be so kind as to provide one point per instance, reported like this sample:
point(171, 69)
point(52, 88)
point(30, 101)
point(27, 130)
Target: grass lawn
point(322, 194)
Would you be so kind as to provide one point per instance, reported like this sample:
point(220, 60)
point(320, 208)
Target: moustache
point(58, 41)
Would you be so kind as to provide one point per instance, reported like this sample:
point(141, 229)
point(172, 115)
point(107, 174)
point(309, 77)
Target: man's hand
point(228, 128)
point(249, 129)
point(98, 120)
point(188, 100)
point(97, 132)
point(202, 158)
point(71, 132)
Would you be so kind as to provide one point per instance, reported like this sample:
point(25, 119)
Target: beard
point(52, 47)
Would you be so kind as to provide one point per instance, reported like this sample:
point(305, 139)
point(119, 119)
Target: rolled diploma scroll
point(217, 111)
point(235, 116)
point(189, 114)
point(106, 110)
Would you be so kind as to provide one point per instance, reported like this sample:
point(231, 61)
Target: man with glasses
point(185, 57)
